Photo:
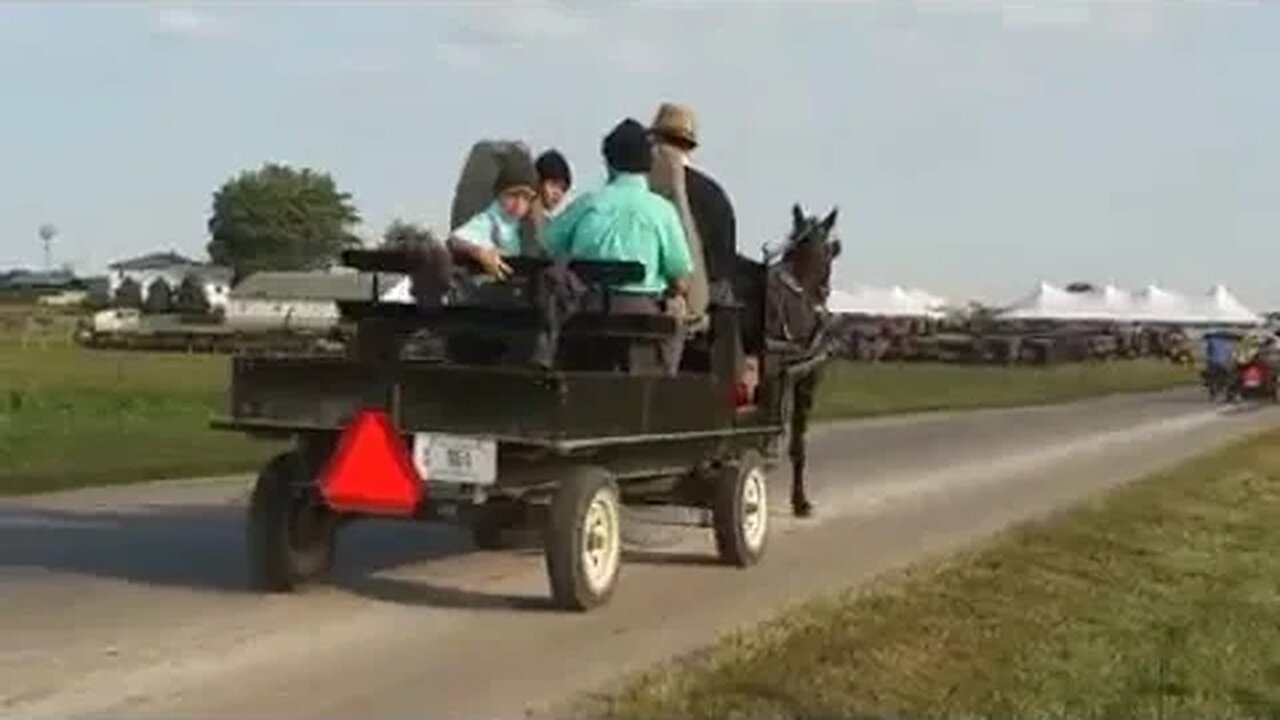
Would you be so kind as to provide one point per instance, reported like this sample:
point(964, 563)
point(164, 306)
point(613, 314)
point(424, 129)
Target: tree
point(192, 299)
point(129, 294)
point(401, 234)
point(1081, 287)
point(280, 218)
point(159, 297)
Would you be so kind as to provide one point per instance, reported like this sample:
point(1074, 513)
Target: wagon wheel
point(740, 511)
point(584, 539)
point(290, 536)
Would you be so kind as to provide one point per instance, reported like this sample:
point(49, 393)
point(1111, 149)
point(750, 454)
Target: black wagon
point(494, 445)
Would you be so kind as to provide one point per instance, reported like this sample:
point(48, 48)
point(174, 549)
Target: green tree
point(129, 294)
point(402, 234)
point(159, 297)
point(280, 218)
point(191, 296)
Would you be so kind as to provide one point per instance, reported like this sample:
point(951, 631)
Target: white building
point(173, 269)
point(303, 299)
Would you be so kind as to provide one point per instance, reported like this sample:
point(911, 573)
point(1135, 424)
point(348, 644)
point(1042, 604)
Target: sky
point(974, 147)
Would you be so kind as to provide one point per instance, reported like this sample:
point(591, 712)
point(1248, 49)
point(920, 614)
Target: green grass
point(862, 389)
point(1161, 599)
point(70, 416)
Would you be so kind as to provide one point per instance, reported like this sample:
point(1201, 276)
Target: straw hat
point(676, 121)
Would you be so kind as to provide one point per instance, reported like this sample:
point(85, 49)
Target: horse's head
point(811, 250)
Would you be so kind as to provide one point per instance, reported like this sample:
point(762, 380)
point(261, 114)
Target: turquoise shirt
point(492, 227)
point(624, 221)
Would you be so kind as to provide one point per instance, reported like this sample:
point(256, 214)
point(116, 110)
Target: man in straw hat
point(626, 221)
point(709, 210)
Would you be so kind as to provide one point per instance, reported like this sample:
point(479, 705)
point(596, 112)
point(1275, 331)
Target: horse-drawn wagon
point(387, 431)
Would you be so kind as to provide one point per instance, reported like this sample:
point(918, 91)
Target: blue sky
point(973, 146)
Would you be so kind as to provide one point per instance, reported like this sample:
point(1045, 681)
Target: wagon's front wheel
point(584, 539)
point(290, 535)
point(740, 511)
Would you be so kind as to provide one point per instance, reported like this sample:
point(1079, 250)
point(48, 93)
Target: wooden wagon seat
point(512, 321)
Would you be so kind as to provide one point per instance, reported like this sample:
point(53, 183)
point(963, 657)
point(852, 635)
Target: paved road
point(128, 601)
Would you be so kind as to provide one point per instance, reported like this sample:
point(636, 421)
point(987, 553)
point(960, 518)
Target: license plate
point(455, 458)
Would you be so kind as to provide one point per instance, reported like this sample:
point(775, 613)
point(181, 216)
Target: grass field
point(1161, 599)
point(861, 389)
point(70, 416)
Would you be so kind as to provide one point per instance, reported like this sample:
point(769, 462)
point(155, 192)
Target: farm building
point(39, 280)
point(173, 269)
point(303, 299)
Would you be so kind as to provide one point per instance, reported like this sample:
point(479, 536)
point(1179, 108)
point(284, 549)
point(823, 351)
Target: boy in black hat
point(496, 230)
point(554, 180)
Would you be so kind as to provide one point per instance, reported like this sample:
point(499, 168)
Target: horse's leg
point(800, 504)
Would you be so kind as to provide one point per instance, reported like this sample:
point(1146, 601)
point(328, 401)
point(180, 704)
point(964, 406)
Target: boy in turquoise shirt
point(625, 221)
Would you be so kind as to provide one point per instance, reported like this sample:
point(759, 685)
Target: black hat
point(627, 148)
point(517, 173)
point(551, 165)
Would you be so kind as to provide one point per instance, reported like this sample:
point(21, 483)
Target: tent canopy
point(1151, 304)
point(895, 301)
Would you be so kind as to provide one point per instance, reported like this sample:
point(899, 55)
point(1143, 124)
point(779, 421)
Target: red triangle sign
point(370, 471)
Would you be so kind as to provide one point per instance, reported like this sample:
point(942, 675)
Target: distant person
point(1217, 352)
point(626, 221)
point(555, 179)
point(1247, 350)
point(496, 230)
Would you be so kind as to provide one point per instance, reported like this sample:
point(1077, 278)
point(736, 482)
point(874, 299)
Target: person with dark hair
point(626, 221)
point(555, 178)
point(496, 230)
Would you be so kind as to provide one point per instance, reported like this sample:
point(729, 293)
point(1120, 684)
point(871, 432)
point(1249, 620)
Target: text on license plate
point(455, 458)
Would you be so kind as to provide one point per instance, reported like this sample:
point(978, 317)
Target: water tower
point(47, 233)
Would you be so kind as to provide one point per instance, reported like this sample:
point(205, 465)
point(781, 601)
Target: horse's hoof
point(802, 508)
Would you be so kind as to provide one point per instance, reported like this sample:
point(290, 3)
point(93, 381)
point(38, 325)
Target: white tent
point(1220, 306)
point(894, 301)
point(933, 303)
point(1155, 304)
point(1152, 304)
point(1108, 303)
point(1114, 304)
point(1049, 302)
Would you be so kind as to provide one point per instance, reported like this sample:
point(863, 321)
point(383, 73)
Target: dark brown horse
point(797, 328)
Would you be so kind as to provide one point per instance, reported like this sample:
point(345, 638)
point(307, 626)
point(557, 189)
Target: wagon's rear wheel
point(584, 539)
point(740, 511)
point(290, 535)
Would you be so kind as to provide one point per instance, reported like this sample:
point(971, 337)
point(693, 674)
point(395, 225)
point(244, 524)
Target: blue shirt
point(1218, 352)
point(492, 227)
point(624, 221)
